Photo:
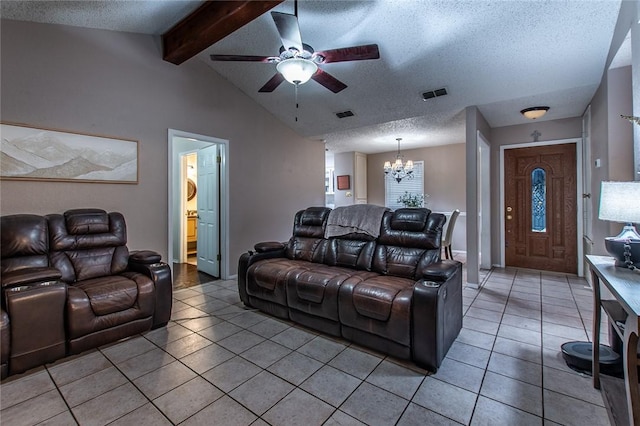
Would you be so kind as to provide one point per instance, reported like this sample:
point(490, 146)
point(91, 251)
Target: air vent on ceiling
point(345, 114)
point(429, 94)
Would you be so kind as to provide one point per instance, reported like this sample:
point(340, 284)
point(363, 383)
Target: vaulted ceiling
point(502, 56)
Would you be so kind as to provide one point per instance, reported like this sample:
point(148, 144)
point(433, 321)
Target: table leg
point(631, 375)
point(597, 316)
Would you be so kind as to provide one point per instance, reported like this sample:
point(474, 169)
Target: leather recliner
point(70, 284)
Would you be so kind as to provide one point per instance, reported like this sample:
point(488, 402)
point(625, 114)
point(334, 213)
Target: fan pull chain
point(297, 105)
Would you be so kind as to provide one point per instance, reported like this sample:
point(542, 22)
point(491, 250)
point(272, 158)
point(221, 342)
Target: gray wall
point(444, 181)
point(115, 84)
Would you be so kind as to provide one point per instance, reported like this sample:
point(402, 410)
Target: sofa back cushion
point(409, 241)
point(307, 242)
point(350, 251)
point(88, 243)
point(24, 242)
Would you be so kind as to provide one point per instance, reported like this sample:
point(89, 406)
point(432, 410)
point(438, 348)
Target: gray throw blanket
point(362, 218)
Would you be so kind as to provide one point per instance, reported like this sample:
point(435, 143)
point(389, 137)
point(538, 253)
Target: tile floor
point(217, 363)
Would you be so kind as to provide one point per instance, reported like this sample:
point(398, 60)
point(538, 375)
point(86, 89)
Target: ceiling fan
point(298, 62)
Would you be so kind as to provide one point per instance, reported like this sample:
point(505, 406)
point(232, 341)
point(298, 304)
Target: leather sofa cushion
point(86, 221)
point(378, 305)
point(310, 285)
point(109, 294)
point(355, 254)
point(24, 242)
point(271, 273)
point(412, 220)
point(374, 297)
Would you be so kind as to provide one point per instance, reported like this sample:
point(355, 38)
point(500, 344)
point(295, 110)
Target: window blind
point(393, 189)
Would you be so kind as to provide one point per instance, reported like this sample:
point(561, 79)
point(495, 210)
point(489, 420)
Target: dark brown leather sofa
point(392, 293)
point(70, 284)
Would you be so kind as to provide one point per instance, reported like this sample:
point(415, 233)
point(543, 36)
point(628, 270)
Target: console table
point(624, 315)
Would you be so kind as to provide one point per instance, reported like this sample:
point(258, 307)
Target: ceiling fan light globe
point(297, 70)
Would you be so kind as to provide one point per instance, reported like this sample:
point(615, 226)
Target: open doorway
point(198, 208)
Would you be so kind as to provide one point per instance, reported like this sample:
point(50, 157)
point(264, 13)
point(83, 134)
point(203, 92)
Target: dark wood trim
point(208, 24)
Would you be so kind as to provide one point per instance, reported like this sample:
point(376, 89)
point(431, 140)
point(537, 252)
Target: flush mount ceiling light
point(534, 112)
point(297, 70)
point(398, 170)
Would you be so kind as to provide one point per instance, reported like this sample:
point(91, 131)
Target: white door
point(208, 211)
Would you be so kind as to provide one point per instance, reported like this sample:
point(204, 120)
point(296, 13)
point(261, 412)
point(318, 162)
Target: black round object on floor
point(579, 356)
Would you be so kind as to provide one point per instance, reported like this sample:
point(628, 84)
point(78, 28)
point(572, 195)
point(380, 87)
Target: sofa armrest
point(441, 271)
point(436, 316)
point(268, 246)
point(144, 256)
point(249, 258)
point(28, 276)
point(36, 314)
point(160, 274)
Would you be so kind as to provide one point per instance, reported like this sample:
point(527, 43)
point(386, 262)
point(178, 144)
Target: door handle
point(586, 195)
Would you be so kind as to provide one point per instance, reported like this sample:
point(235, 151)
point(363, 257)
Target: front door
point(208, 212)
point(540, 208)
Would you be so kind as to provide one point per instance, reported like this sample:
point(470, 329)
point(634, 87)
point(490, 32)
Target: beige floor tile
point(34, 410)
point(446, 399)
point(491, 413)
point(164, 379)
point(187, 399)
point(122, 351)
point(207, 358)
point(186, 345)
point(374, 406)
point(147, 415)
point(63, 419)
point(515, 393)
point(64, 371)
point(516, 368)
point(24, 388)
point(225, 411)
point(145, 363)
point(287, 412)
point(91, 386)
point(569, 411)
point(109, 406)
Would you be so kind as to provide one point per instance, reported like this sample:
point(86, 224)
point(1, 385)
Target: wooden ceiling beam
point(208, 24)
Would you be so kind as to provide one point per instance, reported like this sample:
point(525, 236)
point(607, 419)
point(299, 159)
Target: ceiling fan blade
point(288, 29)
point(272, 84)
point(246, 58)
point(329, 81)
point(354, 53)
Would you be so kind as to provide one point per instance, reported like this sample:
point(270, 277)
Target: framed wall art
point(32, 153)
point(343, 182)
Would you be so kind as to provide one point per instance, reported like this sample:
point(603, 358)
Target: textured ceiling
point(502, 56)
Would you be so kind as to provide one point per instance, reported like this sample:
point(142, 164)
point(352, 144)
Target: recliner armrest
point(441, 271)
point(249, 258)
point(269, 246)
point(160, 274)
point(28, 276)
point(144, 256)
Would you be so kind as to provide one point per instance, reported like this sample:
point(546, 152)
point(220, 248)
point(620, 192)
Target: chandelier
point(399, 170)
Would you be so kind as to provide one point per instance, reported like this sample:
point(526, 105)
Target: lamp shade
point(297, 70)
point(620, 202)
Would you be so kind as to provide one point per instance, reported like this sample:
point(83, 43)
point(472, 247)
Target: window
point(393, 189)
point(538, 200)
